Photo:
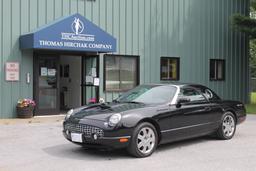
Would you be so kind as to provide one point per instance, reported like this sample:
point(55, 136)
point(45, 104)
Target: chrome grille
point(87, 130)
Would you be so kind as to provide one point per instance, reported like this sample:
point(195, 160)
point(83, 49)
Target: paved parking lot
point(41, 146)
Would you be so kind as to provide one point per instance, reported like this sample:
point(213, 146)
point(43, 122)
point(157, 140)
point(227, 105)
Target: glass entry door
point(90, 80)
point(46, 84)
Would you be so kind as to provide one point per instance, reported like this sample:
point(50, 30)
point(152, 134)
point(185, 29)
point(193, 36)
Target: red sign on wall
point(12, 71)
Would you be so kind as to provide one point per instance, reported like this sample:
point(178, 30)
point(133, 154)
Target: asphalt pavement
point(40, 146)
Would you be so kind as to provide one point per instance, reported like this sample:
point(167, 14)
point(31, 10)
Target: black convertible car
point(149, 115)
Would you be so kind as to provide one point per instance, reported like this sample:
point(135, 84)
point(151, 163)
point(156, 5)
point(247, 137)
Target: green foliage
point(247, 24)
point(253, 57)
point(253, 97)
point(253, 5)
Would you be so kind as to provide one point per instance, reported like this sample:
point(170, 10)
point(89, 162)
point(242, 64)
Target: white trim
point(174, 99)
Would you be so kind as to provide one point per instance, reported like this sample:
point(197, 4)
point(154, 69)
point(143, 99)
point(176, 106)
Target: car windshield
point(149, 94)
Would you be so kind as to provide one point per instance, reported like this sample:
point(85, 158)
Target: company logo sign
point(70, 33)
point(77, 27)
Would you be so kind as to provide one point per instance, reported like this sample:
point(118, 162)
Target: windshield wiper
point(116, 101)
point(135, 102)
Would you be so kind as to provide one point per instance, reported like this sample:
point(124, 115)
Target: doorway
point(70, 81)
point(90, 73)
point(64, 81)
point(46, 84)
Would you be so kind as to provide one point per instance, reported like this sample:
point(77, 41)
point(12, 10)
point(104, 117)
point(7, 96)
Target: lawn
point(250, 108)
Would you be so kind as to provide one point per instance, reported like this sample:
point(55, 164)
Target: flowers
point(26, 103)
point(92, 100)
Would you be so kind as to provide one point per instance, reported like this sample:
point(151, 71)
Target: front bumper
point(104, 142)
point(105, 138)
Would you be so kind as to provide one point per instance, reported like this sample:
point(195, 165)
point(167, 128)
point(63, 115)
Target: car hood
point(104, 111)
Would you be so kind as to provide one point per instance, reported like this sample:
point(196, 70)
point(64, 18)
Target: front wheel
point(144, 140)
point(227, 128)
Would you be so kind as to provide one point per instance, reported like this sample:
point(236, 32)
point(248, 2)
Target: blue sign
point(74, 33)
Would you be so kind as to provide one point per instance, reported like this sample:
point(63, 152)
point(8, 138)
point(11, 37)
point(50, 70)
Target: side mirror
point(180, 101)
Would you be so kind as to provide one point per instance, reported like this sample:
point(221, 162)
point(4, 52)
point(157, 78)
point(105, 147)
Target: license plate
point(76, 137)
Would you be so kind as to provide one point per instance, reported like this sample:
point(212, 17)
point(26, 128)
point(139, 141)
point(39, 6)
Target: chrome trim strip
point(239, 105)
point(185, 127)
point(114, 138)
point(174, 100)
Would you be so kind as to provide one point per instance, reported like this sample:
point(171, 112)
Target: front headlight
point(114, 119)
point(69, 113)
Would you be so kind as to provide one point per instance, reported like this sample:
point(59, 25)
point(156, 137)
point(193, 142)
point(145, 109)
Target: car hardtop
point(179, 84)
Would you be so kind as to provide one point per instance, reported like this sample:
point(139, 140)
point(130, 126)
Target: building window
point(217, 69)
point(170, 68)
point(121, 72)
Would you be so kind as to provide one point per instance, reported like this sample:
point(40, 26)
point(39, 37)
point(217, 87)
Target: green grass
point(250, 108)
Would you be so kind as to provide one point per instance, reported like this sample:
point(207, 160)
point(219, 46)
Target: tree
point(247, 24)
point(252, 58)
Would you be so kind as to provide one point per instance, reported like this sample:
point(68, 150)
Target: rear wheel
point(144, 140)
point(227, 128)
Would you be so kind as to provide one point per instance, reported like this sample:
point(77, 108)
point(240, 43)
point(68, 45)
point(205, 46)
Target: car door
point(214, 99)
point(191, 118)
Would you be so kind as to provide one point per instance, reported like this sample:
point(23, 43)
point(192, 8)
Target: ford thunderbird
point(150, 115)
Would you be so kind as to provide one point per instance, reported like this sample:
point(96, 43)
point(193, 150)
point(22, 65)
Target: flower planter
point(25, 112)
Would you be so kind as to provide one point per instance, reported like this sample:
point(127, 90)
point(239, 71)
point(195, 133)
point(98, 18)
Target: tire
point(227, 127)
point(143, 141)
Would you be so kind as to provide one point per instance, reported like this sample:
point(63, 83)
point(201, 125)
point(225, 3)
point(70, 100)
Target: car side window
point(192, 95)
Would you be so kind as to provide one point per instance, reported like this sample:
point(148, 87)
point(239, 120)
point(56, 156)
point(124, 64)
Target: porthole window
point(208, 93)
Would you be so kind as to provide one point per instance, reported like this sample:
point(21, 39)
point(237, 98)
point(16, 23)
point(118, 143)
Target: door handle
point(162, 110)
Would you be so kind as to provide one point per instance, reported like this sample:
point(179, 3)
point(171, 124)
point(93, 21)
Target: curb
point(36, 119)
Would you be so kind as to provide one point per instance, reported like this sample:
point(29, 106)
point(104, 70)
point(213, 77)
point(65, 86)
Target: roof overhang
point(71, 33)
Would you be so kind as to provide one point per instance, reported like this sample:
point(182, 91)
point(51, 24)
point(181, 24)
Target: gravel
point(41, 146)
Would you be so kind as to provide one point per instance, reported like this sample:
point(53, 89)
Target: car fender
point(131, 120)
point(236, 107)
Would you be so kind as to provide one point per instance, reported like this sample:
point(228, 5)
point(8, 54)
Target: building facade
point(67, 53)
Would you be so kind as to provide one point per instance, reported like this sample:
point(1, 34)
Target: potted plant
point(25, 108)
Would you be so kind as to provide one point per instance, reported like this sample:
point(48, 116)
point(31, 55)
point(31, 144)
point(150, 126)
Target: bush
point(253, 98)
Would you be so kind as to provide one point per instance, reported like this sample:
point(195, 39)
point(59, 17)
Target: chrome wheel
point(228, 126)
point(146, 140)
